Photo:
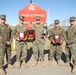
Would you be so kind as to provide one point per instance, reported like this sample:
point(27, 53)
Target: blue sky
point(58, 9)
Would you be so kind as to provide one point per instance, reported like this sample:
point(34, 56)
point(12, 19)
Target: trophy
point(57, 39)
point(21, 35)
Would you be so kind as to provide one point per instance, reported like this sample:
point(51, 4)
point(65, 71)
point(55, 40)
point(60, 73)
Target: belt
point(20, 41)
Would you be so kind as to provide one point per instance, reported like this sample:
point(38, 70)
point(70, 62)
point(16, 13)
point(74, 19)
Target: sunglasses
point(56, 23)
point(3, 19)
point(72, 21)
point(21, 19)
point(38, 20)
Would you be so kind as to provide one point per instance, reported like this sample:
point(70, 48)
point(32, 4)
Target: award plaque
point(57, 39)
point(21, 36)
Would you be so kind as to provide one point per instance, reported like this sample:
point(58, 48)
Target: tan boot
point(25, 64)
point(59, 62)
point(2, 71)
point(42, 63)
point(49, 62)
point(11, 66)
point(18, 64)
point(35, 63)
point(67, 64)
point(74, 69)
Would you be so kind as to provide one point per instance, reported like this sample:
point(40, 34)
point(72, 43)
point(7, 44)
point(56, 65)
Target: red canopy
point(31, 11)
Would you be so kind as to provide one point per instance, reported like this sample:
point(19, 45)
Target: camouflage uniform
point(21, 46)
point(56, 47)
point(38, 44)
point(8, 49)
point(71, 43)
point(4, 37)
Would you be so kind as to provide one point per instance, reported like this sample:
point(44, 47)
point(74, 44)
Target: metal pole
point(30, 1)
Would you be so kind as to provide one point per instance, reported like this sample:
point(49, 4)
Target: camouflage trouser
point(2, 48)
point(21, 50)
point(58, 49)
point(71, 53)
point(8, 53)
point(38, 47)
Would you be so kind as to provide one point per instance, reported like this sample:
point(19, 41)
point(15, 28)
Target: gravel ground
point(52, 69)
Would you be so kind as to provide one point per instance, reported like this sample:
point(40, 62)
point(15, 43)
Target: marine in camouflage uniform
point(38, 44)
point(56, 30)
point(71, 43)
point(21, 45)
point(8, 49)
point(4, 41)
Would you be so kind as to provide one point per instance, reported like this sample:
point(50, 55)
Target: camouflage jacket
point(71, 34)
point(57, 31)
point(38, 32)
point(4, 33)
point(18, 29)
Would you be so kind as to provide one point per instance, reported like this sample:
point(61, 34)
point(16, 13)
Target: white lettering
point(31, 7)
point(33, 15)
